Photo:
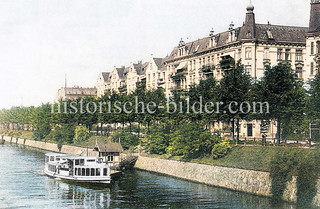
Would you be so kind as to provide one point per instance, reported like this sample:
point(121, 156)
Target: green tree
point(313, 103)
point(285, 94)
point(126, 139)
point(159, 136)
point(42, 121)
point(191, 140)
point(207, 92)
point(81, 134)
point(234, 89)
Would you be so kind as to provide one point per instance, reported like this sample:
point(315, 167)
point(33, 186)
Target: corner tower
point(314, 23)
point(248, 30)
point(312, 64)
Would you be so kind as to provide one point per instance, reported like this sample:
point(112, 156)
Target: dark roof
point(278, 34)
point(110, 147)
point(105, 76)
point(281, 33)
point(159, 62)
point(140, 68)
point(104, 145)
point(122, 72)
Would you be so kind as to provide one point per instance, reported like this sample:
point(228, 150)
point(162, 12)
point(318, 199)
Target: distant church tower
point(313, 41)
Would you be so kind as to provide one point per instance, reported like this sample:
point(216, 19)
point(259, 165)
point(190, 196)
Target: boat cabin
point(83, 168)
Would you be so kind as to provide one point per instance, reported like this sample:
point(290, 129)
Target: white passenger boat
point(77, 168)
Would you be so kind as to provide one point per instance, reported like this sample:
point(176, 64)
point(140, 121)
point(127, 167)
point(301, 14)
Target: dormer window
point(231, 36)
point(181, 47)
point(197, 47)
point(212, 41)
point(269, 34)
point(181, 52)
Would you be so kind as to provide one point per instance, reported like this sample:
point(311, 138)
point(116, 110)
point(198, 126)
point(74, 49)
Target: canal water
point(23, 185)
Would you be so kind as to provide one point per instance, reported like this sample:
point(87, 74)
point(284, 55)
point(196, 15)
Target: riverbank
point(29, 188)
point(249, 181)
point(244, 180)
point(68, 149)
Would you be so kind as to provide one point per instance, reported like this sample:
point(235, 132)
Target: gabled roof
point(105, 146)
point(159, 62)
point(122, 72)
point(140, 68)
point(105, 76)
point(110, 147)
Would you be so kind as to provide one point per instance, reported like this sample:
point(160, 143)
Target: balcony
point(160, 81)
point(207, 70)
point(122, 89)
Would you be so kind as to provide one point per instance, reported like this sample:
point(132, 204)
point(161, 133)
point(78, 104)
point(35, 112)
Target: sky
point(41, 41)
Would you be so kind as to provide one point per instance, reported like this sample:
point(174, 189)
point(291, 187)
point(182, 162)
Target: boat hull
point(78, 180)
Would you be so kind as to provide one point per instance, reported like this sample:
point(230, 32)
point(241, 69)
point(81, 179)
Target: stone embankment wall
point(50, 146)
point(249, 181)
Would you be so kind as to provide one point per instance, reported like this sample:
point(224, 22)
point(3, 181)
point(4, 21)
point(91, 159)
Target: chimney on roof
point(314, 23)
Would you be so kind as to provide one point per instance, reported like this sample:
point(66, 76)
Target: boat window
point(83, 171)
point(57, 158)
point(51, 158)
point(92, 172)
point(47, 159)
point(77, 162)
point(97, 171)
point(91, 160)
point(81, 161)
point(79, 170)
point(52, 168)
point(105, 171)
point(76, 171)
point(87, 171)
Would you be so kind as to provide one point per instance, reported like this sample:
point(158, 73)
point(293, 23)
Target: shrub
point(288, 162)
point(81, 134)
point(220, 149)
point(308, 174)
point(191, 141)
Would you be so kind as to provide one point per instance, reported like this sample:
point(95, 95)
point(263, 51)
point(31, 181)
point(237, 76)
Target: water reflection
point(23, 184)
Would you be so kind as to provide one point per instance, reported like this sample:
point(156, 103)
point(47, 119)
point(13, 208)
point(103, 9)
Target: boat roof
point(71, 157)
point(55, 154)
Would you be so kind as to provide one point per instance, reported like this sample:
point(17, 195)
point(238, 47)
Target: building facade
point(103, 84)
point(73, 93)
point(253, 43)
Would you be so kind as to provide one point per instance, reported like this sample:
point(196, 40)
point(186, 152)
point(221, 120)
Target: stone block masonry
point(254, 182)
